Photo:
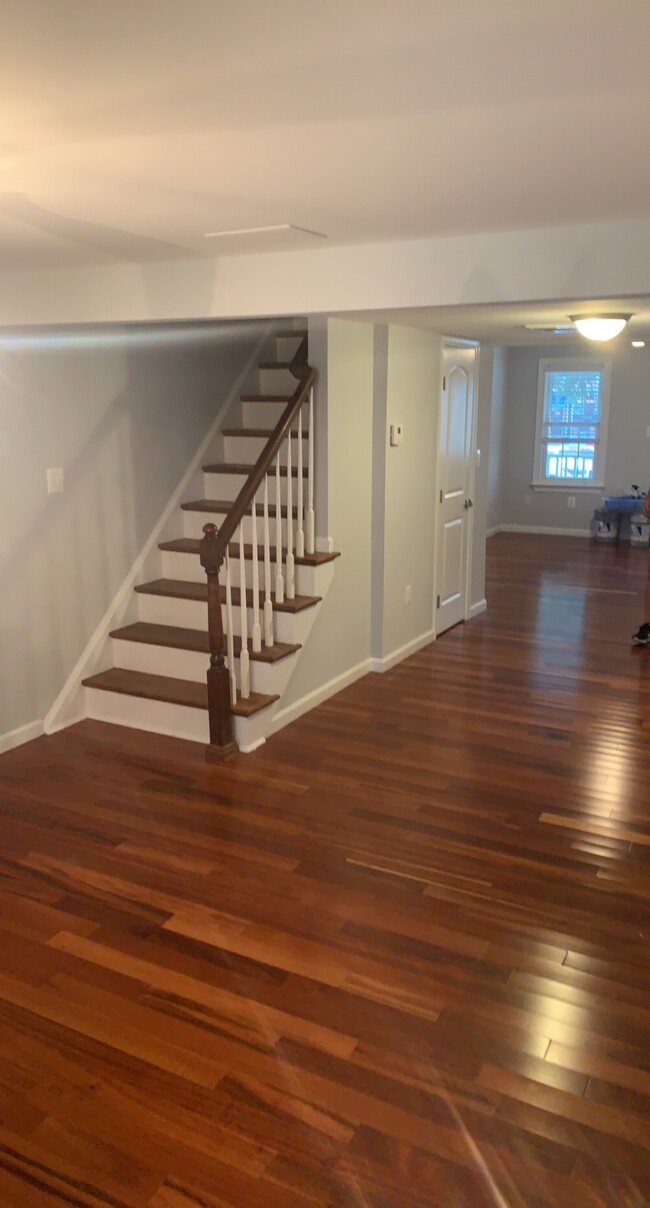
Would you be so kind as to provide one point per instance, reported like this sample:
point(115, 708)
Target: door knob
point(466, 504)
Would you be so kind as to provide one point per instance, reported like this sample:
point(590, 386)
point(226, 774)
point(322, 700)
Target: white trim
point(541, 530)
point(397, 656)
point(573, 364)
point(324, 545)
point(498, 528)
point(478, 608)
point(69, 721)
point(569, 487)
point(55, 718)
point(15, 738)
point(253, 746)
point(319, 695)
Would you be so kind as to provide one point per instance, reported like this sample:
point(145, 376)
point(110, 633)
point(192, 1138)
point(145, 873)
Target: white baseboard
point(381, 665)
point(478, 608)
point(493, 531)
point(69, 706)
point(319, 695)
point(15, 738)
point(542, 530)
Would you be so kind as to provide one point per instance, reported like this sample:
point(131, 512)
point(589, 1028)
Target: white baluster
point(268, 603)
point(290, 567)
point(244, 658)
point(279, 577)
point(300, 534)
point(230, 641)
point(310, 537)
point(256, 634)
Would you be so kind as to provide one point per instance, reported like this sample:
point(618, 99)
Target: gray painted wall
point(413, 399)
point(480, 496)
point(123, 411)
point(340, 638)
point(628, 447)
point(495, 452)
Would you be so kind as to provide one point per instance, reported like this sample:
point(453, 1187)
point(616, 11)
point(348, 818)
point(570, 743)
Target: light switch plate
point(55, 481)
point(396, 434)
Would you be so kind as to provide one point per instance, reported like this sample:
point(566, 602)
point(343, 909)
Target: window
point(572, 411)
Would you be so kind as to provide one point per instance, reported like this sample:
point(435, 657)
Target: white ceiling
point(129, 128)
point(506, 324)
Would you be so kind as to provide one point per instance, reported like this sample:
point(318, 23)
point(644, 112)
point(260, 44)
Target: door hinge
point(438, 602)
point(444, 383)
point(441, 496)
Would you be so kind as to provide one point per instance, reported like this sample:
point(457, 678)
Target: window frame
point(576, 365)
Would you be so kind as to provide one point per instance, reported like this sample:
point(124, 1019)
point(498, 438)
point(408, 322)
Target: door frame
point(456, 342)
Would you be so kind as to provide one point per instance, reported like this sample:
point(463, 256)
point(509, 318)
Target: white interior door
point(454, 481)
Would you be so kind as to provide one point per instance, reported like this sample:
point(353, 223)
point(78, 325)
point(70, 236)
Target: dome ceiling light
point(599, 327)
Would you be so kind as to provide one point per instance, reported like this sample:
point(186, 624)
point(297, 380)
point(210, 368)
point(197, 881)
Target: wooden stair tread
point(265, 433)
point(225, 505)
point(180, 589)
point(191, 545)
point(266, 398)
point(172, 691)
point(178, 638)
point(225, 467)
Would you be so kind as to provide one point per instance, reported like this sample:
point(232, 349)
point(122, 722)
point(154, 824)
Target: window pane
point(570, 459)
point(571, 422)
point(571, 397)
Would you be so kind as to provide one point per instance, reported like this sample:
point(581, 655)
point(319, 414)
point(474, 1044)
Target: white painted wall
point(122, 412)
point(628, 447)
point(590, 260)
point(495, 452)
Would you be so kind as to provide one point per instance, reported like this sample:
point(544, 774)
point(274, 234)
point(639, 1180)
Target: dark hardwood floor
point(398, 957)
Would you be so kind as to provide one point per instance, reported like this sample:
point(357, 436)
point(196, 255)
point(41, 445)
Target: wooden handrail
point(213, 549)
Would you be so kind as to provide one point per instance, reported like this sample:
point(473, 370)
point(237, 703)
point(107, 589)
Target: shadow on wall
point(123, 416)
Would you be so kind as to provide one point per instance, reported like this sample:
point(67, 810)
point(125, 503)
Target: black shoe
point(642, 635)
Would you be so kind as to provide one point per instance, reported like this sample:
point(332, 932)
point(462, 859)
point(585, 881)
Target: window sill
point(596, 488)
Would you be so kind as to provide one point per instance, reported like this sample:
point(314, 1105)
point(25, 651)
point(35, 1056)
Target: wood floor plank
point(396, 958)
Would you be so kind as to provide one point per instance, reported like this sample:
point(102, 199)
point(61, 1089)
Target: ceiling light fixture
point(638, 343)
point(599, 327)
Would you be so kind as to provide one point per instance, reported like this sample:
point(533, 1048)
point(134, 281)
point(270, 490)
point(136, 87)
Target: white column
point(230, 641)
point(300, 534)
point(268, 603)
point(244, 658)
point(256, 635)
point(290, 569)
point(310, 536)
point(279, 577)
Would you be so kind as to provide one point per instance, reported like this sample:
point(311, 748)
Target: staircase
point(265, 604)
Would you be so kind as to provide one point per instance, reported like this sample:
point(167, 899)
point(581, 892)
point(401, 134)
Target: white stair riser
point(246, 449)
point(179, 721)
point(188, 567)
point(192, 614)
point(193, 523)
point(228, 486)
point(142, 714)
point(268, 678)
point(277, 381)
point(262, 415)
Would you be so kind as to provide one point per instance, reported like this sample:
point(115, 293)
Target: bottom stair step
point(172, 691)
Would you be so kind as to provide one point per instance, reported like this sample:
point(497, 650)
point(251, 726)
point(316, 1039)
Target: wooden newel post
point(222, 741)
